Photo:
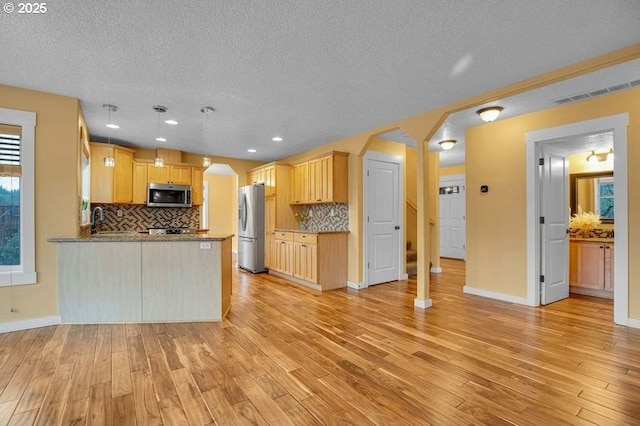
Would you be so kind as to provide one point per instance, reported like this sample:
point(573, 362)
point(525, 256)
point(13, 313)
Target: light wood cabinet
point(300, 183)
point(111, 184)
point(196, 185)
point(269, 231)
point(283, 261)
point(321, 179)
point(305, 257)
point(278, 214)
point(158, 174)
point(180, 175)
point(255, 176)
point(318, 261)
point(270, 180)
point(139, 183)
point(591, 267)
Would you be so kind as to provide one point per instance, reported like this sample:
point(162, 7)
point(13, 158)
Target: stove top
point(172, 231)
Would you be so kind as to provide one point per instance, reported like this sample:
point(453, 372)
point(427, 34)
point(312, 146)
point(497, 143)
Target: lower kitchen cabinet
point(315, 260)
point(591, 268)
point(283, 259)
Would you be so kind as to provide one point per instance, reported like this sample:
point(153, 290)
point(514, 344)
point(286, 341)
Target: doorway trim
point(618, 124)
point(389, 158)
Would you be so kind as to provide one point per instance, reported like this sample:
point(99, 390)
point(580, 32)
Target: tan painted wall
point(452, 170)
point(56, 198)
point(496, 221)
point(223, 201)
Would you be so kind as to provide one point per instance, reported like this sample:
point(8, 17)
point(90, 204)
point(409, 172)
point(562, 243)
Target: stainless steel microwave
point(168, 195)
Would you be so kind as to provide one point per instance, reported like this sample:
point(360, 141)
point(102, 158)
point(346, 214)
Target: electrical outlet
point(205, 246)
point(310, 213)
point(119, 212)
point(332, 213)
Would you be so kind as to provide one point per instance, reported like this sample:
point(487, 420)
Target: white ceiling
point(310, 71)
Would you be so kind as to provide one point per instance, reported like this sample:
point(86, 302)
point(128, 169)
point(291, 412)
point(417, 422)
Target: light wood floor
point(288, 356)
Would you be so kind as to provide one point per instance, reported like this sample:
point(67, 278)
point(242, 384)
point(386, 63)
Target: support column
point(433, 191)
point(422, 299)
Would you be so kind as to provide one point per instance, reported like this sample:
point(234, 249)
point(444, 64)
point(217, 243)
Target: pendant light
point(158, 161)
point(206, 160)
point(110, 161)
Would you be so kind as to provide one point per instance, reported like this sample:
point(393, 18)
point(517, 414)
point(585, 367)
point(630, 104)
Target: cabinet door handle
point(601, 246)
point(607, 247)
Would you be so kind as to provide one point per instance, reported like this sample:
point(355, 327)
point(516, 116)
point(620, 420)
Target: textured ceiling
point(309, 71)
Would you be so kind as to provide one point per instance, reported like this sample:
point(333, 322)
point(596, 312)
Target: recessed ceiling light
point(172, 122)
point(251, 150)
point(112, 126)
point(276, 139)
point(159, 139)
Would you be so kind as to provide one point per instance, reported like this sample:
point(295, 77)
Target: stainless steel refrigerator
point(251, 228)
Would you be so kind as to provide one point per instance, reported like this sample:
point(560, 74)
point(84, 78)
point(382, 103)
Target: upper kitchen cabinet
point(111, 184)
point(266, 174)
point(139, 182)
point(196, 185)
point(322, 179)
point(180, 175)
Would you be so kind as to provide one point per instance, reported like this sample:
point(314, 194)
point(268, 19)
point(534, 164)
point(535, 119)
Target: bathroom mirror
point(593, 192)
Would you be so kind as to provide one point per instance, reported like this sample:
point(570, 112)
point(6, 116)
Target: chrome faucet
point(94, 224)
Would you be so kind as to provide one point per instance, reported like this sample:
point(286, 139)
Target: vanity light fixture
point(489, 114)
point(447, 144)
point(206, 160)
point(158, 161)
point(596, 157)
point(110, 161)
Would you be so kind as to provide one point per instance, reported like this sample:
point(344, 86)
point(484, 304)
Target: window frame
point(25, 273)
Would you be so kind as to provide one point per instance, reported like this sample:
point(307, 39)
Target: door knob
point(397, 227)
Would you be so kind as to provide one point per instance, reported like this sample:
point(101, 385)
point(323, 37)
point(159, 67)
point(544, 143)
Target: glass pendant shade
point(158, 162)
point(206, 161)
point(109, 162)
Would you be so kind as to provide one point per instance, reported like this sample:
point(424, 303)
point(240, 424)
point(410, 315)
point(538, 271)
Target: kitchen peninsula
point(131, 277)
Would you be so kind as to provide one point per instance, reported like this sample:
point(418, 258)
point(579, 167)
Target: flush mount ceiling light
point(206, 160)
point(251, 150)
point(110, 161)
point(489, 113)
point(448, 144)
point(158, 161)
point(276, 139)
point(172, 122)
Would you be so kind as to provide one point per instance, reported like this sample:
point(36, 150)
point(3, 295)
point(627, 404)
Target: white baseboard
point(423, 304)
point(494, 295)
point(633, 323)
point(7, 327)
point(404, 277)
point(436, 270)
point(356, 286)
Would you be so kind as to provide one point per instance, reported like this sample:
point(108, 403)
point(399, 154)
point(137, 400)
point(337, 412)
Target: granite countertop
point(136, 237)
point(595, 240)
point(302, 231)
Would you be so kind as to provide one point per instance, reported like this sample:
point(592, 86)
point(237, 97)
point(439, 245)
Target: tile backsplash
point(320, 217)
point(140, 217)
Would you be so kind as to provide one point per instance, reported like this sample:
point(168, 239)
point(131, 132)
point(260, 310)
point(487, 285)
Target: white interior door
point(452, 217)
point(383, 221)
point(554, 236)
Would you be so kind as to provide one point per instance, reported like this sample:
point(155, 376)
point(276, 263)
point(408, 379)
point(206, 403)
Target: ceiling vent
point(597, 92)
